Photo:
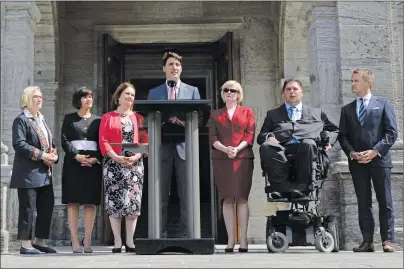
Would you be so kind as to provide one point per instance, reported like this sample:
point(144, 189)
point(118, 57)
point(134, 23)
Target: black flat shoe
point(228, 250)
point(242, 249)
point(44, 249)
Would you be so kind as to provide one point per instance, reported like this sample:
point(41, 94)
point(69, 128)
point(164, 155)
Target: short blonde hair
point(28, 96)
point(232, 84)
point(366, 74)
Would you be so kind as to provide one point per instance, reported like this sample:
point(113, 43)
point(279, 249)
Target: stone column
point(323, 48)
point(324, 74)
point(5, 181)
point(17, 60)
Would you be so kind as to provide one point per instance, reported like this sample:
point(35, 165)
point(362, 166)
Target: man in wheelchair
point(291, 139)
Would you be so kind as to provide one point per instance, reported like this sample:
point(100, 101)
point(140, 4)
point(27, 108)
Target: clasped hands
point(86, 160)
point(364, 156)
point(231, 152)
point(49, 158)
point(127, 161)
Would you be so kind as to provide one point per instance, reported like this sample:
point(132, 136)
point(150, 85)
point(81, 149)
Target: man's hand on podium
point(175, 120)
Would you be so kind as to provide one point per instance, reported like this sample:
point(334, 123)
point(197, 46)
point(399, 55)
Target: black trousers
point(276, 165)
point(42, 199)
point(362, 175)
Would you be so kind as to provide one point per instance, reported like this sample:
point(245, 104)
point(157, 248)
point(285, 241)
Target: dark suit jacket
point(186, 92)
point(29, 171)
point(379, 130)
point(278, 125)
point(232, 132)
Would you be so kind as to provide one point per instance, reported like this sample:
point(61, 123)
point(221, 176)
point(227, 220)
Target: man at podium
point(173, 146)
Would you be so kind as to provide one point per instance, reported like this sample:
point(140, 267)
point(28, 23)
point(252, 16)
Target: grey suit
point(173, 152)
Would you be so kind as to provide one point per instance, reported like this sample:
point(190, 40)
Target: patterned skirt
point(123, 188)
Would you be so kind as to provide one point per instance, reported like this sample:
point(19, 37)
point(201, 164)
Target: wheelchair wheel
point(277, 242)
point(332, 228)
point(324, 243)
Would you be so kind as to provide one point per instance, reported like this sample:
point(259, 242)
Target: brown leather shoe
point(365, 247)
point(388, 246)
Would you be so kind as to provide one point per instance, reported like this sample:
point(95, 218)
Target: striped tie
point(292, 113)
point(362, 111)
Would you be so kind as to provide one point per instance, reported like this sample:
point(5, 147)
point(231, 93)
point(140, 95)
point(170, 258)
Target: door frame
point(211, 32)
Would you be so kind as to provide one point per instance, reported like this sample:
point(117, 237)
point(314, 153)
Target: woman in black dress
point(82, 173)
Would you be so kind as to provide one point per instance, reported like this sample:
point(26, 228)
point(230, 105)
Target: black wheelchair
point(302, 224)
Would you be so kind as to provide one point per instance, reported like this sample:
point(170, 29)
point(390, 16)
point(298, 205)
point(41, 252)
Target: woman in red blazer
point(123, 170)
point(231, 135)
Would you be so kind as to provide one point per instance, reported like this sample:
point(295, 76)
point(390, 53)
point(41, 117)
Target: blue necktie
point(291, 113)
point(362, 111)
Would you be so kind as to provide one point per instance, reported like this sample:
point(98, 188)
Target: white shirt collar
point(28, 114)
point(366, 97)
point(299, 106)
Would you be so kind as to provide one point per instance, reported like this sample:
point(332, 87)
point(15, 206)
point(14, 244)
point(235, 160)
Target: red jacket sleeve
point(103, 134)
point(250, 131)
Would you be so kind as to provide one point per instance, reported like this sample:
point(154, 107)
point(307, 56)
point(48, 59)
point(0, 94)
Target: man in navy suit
point(367, 131)
point(173, 147)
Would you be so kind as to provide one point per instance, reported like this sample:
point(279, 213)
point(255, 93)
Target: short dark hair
point(80, 93)
point(118, 93)
point(171, 54)
point(292, 80)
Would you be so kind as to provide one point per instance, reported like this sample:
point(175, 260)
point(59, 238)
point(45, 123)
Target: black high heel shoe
point(129, 249)
point(242, 249)
point(228, 250)
point(117, 250)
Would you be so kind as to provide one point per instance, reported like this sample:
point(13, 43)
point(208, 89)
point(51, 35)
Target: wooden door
point(113, 68)
point(223, 70)
point(113, 74)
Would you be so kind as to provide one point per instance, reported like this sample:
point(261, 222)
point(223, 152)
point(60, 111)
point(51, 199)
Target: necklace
point(124, 114)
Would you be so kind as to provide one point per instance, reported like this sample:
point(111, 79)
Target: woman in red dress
point(231, 135)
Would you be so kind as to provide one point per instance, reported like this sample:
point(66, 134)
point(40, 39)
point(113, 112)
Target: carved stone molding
point(18, 11)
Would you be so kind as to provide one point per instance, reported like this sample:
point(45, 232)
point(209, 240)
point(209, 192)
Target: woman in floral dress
point(123, 170)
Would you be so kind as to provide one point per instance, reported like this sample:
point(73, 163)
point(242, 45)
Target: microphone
point(324, 135)
point(171, 83)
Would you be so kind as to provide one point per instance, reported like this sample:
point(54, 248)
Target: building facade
point(60, 46)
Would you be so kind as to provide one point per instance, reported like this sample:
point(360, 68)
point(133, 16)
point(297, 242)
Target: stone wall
point(372, 40)
point(17, 60)
point(294, 47)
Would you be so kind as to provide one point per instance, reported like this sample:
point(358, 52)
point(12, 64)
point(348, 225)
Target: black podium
point(195, 111)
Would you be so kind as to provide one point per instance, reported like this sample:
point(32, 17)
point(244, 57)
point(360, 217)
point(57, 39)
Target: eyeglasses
point(230, 90)
point(38, 97)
